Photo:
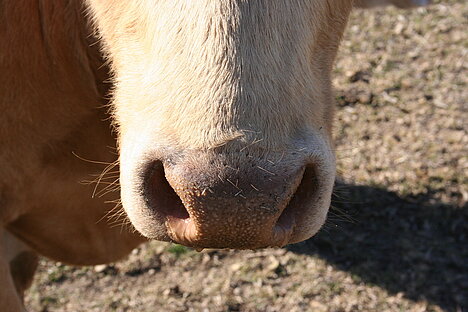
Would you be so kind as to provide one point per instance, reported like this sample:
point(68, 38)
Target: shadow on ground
point(414, 246)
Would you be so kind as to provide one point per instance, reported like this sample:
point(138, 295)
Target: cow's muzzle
point(217, 200)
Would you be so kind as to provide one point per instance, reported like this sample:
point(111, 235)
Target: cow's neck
point(51, 94)
point(47, 52)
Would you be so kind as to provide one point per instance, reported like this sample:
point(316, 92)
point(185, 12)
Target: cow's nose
point(217, 201)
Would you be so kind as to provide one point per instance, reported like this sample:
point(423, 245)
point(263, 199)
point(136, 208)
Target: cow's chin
point(167, 201)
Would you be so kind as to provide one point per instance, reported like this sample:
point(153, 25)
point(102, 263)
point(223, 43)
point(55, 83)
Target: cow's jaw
point(224, 110)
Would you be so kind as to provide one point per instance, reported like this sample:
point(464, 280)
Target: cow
point(221, 111)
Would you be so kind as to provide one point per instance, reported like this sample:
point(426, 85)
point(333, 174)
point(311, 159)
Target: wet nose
point(220, 201)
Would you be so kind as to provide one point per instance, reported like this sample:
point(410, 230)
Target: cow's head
point(224, 110)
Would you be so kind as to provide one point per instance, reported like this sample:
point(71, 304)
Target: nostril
point(160, 195)
point(301, 199)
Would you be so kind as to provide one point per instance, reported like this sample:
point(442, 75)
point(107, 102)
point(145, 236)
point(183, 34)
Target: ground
point(396, 238)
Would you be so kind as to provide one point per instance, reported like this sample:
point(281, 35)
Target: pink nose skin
point(217, 201)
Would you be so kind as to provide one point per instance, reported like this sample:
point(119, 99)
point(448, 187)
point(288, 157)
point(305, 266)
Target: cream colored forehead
point(264, 33)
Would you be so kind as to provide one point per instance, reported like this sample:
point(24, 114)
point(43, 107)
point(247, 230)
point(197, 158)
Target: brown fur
point(51, 98)
point(22, 268)
point(23, 262)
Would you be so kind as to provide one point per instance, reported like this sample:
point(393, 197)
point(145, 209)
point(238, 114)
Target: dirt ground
point(397, 235)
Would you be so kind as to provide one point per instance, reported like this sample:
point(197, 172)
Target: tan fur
point(190, 59)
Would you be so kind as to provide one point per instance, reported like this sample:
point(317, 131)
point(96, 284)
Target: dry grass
point(397, 239)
